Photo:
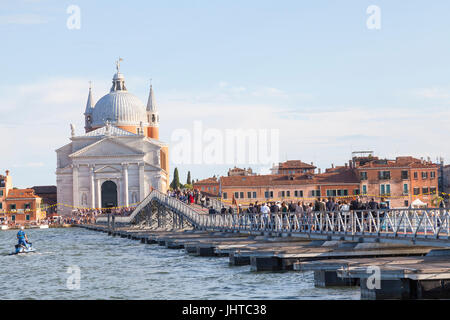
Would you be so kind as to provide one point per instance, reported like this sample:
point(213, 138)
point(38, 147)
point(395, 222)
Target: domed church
point(119, 158)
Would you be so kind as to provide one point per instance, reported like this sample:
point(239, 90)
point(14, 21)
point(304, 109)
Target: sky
point(312, 70)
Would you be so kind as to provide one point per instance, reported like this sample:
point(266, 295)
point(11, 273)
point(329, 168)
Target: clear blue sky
point(319, 74)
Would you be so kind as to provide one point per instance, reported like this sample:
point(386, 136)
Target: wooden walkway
point(406, 271)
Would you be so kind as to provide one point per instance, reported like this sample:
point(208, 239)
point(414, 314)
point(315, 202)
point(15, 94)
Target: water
point(118, 268)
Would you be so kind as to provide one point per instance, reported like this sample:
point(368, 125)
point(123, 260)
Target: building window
point(416, 175)
point(356, 192)
point(236, 195)
point(254, 194)
point(12, 206)
point(225, 195)
point(424, 175)
point(364, 189)
point(268, 194)
point(432, 174)
point(406, 203)
point(27, 217)
point(288, 193)
point(404, 175)
point(331, 193)
point(416, 191)
point(249, 194)
point(385, 189)
point(315, 193)
point(405, 188)
point(363, 175)
point(384, 175)
point(298, 193)
point(433, 190)
point(282, 194)
point(1, 205)
point(13, 217)
point(241, 195)
point(424, 190)
point(1, 193)
point(27, 206)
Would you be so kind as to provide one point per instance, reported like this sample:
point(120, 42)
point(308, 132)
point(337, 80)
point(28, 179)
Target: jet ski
point(22, 249)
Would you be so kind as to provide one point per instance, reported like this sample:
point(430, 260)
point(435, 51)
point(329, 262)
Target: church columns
point(91, 176)
point(75, 190)
point(125, 183)
point(141, 181)
point(99, 194)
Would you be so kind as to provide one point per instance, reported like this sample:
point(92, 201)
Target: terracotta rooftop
point(295, 164)
point(207, 181)
point(399, 162)
point(21, 193)
point(342, 176)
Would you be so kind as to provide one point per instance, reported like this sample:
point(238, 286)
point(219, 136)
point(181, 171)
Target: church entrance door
point(109, 194)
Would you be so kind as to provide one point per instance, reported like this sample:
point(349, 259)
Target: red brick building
point(340, 182)
point(400, 181)
point(293, 167)
point(23, 207)
point(208, 186)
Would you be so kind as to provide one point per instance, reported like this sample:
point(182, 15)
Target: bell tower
point(88, 111)
point(152, 116)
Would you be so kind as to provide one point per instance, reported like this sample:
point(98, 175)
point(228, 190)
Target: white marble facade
point(131, 161)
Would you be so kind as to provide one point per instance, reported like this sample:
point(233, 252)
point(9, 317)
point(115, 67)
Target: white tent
point(418, 203)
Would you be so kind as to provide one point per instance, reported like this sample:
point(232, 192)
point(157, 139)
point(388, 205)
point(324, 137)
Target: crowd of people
point(320, 204)
point(190, 196)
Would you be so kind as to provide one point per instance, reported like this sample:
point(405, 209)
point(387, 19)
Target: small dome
point(120, 108)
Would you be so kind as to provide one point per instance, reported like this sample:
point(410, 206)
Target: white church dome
point(120, 108)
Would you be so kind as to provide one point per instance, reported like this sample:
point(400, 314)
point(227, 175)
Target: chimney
point(332, 166)
point(346, 165)
point(319, 170)
point(311, 163)
point(7, 172)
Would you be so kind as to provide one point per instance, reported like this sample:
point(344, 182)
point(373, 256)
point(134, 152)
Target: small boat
point(43, 226)
point(4, 228)
point(20, 249)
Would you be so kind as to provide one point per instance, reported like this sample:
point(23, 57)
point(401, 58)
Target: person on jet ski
point(22, 237)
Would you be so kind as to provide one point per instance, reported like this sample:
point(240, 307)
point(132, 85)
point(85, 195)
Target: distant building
point(5, 186)
point(49, 198)
point(400, 181)
point(293, 167)
point(23, 206)
point(293, 187)
point(446, 179)
point(240, 172)
point(208, 186)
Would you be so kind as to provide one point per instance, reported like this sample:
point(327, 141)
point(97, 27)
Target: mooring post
point(113, 223)
point(109, 221)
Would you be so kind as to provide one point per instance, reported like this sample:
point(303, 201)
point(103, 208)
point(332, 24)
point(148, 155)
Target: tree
point(176, 180)
point(188, 178)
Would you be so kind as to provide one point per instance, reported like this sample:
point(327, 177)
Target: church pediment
point(106, 148)
point(108, 169)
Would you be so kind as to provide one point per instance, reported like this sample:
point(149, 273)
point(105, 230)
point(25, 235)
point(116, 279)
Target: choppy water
point(118, 268)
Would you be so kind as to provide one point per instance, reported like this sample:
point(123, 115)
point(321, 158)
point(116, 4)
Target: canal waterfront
point(118, 268)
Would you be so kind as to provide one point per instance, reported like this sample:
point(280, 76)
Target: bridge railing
point(410, 223)
point(390, 223)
